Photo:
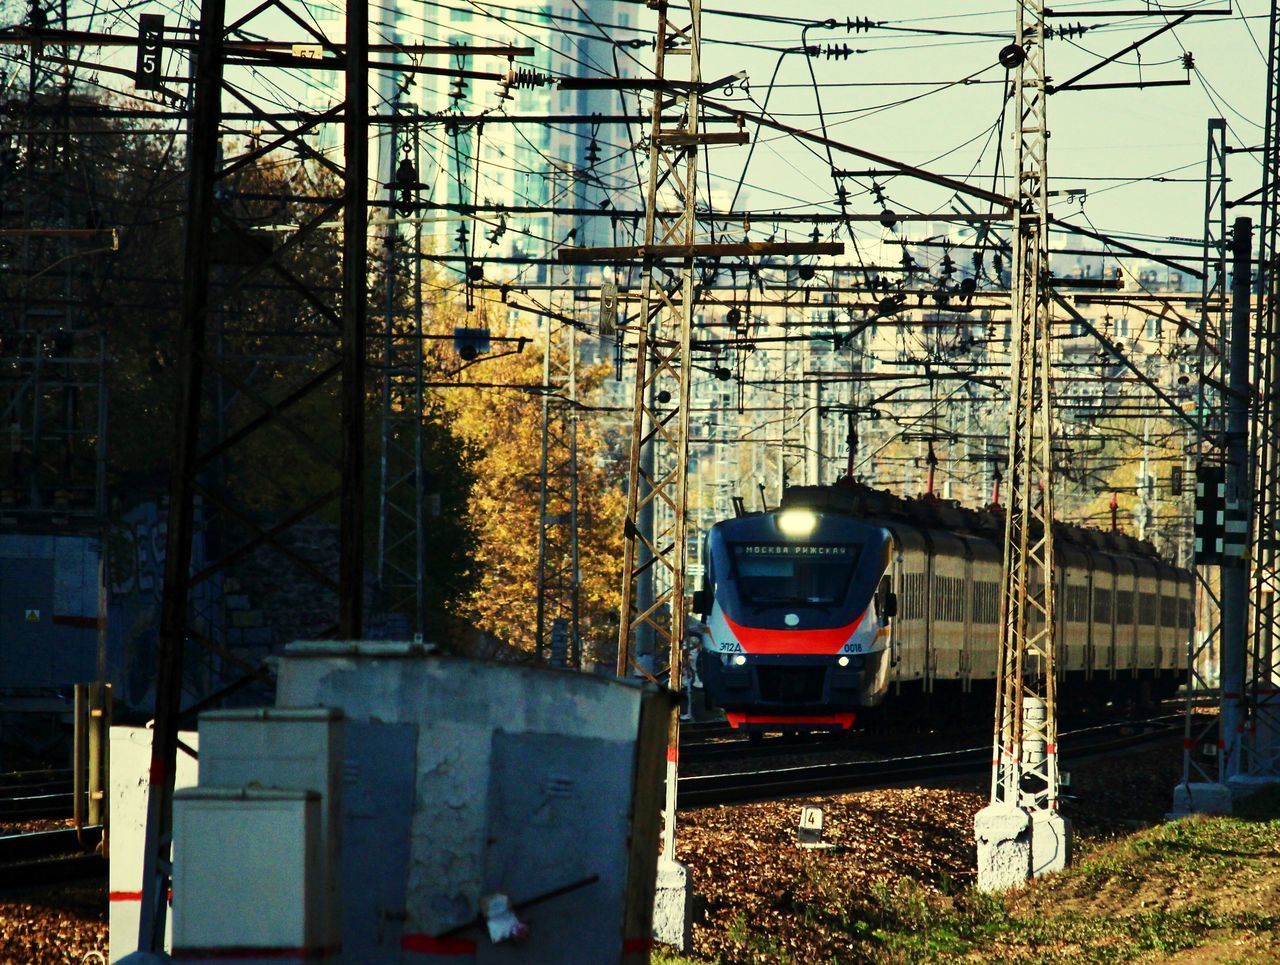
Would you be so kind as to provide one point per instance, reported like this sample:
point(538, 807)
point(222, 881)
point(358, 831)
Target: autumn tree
point(494, 406)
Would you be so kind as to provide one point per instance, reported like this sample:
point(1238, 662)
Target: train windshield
point(780, 574)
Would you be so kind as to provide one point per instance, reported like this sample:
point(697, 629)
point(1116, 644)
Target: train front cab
point(773, 684)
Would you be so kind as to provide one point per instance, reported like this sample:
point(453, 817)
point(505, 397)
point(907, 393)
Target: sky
point(898, 96)
point(923, 86)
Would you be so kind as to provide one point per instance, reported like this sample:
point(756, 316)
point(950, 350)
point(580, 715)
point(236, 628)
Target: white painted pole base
point(1015, 845)
point(673, 906)
point(1242, 786)
point(1050, 842)
point(1193, 797)
point(1003, 834)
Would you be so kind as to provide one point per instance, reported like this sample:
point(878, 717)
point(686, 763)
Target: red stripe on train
point(825, 642)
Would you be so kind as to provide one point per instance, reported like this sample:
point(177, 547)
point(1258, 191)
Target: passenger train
point(846, 603)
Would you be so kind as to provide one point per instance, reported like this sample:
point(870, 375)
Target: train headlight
point(797, 522)
point(843, 661)
point(739, 660)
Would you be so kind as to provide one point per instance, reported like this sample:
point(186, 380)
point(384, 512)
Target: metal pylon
point(1206, 632)
point(53, 346)
point(222, 228)
point(401, 522)
point(558, 571)
point(1024, 764)
point(1262, 729)
point(660, 411)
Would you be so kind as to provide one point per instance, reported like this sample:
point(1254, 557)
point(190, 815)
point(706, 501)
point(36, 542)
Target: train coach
point(850, 604)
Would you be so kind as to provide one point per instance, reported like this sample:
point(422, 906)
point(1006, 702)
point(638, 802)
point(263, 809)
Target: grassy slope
point(1205, 889)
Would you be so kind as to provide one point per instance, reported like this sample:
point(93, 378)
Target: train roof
point(930, 512)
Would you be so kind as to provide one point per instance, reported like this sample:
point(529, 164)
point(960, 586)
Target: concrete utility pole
point(1215, 796)
point(1234, 577)
point(1021, 833)
point(1261, 751)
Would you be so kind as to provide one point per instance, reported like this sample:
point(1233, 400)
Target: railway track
point(35, 794)
point(769, 783)
point(39, 859)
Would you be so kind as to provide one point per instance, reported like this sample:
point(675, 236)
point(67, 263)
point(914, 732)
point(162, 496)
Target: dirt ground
point(66, 925)
point(896, 886)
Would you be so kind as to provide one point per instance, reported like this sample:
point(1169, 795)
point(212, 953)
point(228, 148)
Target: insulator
point(406, 173)
point(593, 153)
point(859, 24)
point(1188, 62)
point(1066, 31)
point(526, 79)
point(459, 91)
point(840, 52)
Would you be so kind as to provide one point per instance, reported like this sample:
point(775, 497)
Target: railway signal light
point(471, 342)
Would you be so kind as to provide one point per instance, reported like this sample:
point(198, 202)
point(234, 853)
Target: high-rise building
point(466, 149)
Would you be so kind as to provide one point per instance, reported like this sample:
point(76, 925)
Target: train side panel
point(985, 607)
point(911, 627)
point(948, 605)
point(1102, 631)
point(1144, 658)
point(1073, 610)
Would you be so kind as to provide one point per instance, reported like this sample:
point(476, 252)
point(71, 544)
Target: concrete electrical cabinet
point(539, 785)
point(285, 749)
point(249, 859)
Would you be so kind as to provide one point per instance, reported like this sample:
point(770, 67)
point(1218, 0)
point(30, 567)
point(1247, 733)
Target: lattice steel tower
point(1261, 758)
point(1024, 773)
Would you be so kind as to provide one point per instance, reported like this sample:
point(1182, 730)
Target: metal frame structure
point(53, 355)
point(1200, 732)
point(559, 575)
point(341, 326)
point(1261, 750)
point(402, 548)
point(660, 412)
point(1024, 763)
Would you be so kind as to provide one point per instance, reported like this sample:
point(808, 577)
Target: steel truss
point(654, 542)
point(1024, 763)
point(402, 478)
point(1201, 737)
point(53, 350)
point(660, 411)
point(1261, 744)
point(285, 390)
point(558, 630)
